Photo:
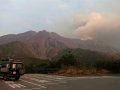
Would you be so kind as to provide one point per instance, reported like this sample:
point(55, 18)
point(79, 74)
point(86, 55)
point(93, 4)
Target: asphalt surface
point(52, 82)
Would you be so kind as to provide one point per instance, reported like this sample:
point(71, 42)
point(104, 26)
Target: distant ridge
point(45, 44)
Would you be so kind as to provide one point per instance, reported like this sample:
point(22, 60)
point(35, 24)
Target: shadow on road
point(11, 79)
point(1, 78)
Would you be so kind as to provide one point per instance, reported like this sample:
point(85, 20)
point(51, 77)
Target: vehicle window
point(14, 66)
point(19, 65)
point(8, 65)
point(3, 65)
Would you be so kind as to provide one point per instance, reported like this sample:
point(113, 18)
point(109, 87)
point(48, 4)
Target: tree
point(66, 60)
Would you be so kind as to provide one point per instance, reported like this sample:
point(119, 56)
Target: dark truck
point(10, 68)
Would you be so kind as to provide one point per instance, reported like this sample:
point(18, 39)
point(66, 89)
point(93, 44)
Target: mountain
point(15, 48)
point(45, 44)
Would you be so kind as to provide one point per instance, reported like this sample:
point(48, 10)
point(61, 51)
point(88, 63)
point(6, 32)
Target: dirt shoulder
point(74, 71)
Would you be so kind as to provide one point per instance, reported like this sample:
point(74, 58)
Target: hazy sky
point(83, 19)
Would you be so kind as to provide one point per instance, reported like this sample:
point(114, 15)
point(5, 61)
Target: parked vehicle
point(10, 68)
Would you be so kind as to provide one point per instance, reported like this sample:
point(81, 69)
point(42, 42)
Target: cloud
point(92, 26)
point(65, 6)
point(79, 25)
point(11, 23)
point(85, 32)
point(71, 18)
point(97, 26)
point(21, 15)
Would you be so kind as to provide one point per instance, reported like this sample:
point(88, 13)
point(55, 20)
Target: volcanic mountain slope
point(15, 49)
point(44, 44)
point(40, 45)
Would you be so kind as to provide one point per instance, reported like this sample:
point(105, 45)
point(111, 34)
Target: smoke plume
point(93, 26)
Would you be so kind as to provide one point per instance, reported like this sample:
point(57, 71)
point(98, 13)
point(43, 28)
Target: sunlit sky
point(17, 16)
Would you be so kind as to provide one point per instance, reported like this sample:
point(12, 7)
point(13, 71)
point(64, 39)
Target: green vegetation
point(78, 58)
point(81, 59)
point(86, 59)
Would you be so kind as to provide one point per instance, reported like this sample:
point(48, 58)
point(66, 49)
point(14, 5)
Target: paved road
point(50, 82)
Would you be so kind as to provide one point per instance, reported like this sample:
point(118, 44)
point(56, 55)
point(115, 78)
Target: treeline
point(78, 58)
point(113, 66)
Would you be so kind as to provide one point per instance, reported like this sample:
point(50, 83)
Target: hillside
point(76, 62)
point(84, 55)
point(45, 44)
point(83, 60)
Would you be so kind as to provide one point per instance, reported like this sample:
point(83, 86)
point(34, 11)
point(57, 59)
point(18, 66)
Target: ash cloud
point(94, 26)
point(86, 31)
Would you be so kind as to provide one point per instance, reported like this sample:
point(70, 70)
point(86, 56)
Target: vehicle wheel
point(5, 77)
point(17, 77)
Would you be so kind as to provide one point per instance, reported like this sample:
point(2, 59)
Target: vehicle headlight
point(14, 72)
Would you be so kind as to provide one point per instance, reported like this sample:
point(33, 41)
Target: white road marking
point(44, 82)
point(52, 76)
point(48, 78)
point(41, 81)
point(64, 79)
point(9, 82)
point(21, 85)
point(33, 83)
point(11, 85)
point(14, 85)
